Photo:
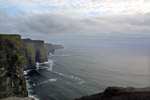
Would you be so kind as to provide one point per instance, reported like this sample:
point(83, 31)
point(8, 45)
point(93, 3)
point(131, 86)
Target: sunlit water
point(76, 71)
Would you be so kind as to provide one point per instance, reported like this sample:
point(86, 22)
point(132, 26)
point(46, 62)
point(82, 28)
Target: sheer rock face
point(34, 51)
point(12, 63)
point(118, 93)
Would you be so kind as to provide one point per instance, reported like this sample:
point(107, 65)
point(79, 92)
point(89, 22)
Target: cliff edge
point(34, 52)
point(119, 93)
point(12, 61)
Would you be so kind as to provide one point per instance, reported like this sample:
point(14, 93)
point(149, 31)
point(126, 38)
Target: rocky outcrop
point(49, 48)
point(119, 93)
point(34, 52)
point(12, 61)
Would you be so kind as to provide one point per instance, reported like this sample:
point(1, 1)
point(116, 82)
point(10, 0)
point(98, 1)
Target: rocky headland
point(17, 55)
point(12, 64)
point(119, 93)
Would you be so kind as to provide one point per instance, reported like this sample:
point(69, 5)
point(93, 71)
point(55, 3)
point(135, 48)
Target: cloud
point(80, 7)
point(84, 17)
point(49, 23)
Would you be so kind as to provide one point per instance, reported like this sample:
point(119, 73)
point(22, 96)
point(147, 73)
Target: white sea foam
point(64, 55)
point(49, 67)
point(51, 63)
point(29, 88)
point(81, 82)
point(34, 96)
point(26, 72)
point(61, 74)
point(47, 81)
point(37, 63)
point(76, 78)
point(50, 54)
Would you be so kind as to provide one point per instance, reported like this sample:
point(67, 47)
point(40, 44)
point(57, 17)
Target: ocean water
point(78, 71)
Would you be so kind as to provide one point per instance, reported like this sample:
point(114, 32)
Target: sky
point(60, 20)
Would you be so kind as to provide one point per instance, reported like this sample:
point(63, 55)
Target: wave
point(61, 55)
point(30, 90)
point(81, 82)
point(58, 73)
point(48, 65)
point(47, 81)
point(64, 55)
point(26, 72)
point(51, 63)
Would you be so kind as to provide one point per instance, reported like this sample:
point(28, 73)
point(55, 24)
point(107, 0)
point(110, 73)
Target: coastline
point(19, 55)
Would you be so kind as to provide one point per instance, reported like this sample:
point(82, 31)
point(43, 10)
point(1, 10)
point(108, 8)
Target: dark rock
point(119, 93)
point(12, 61)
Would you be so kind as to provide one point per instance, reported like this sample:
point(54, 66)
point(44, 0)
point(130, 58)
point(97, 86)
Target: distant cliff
point(118, 93)
point(57, 46)
point(34, 52)
point(12, 61)
point(49, 48)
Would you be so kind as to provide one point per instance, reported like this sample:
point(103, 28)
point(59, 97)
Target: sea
point(77, 71)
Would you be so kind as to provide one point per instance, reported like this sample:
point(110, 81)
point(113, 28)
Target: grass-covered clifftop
point(12, 61)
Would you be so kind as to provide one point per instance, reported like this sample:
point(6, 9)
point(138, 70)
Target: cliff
point(34, 52)
point(12, 61)
point(118, 93)
point(57, 46)
point(49, 48)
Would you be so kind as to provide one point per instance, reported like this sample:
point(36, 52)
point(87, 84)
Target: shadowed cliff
point(12, 61)
point(118, 93)
point(34, 52)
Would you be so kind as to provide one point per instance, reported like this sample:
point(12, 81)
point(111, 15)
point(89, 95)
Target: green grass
point(10, 35)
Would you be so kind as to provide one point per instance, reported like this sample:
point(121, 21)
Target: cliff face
point(118, 93)
point(49, 48)
point(57, 46)
point(34, 52)
point(40, 51)
point(12, 61)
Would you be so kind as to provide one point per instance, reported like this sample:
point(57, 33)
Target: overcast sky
point(39, 18)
